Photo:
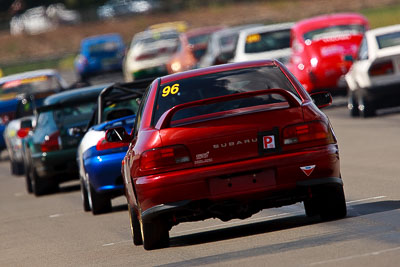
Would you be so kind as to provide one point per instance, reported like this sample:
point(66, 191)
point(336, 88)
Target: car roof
point(150, 33)
point(29, 74)
point(216, 68)
point(326, 20)
point(234, 29)
point(180, 26)
point(384, 30)
point(203, 30)
point(267, 28)
point(102, 37)
point(74, 95)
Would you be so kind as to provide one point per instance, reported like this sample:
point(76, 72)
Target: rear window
point(121, 109)
point(72, 116)
point(333, 32)
point(220, 84)
point(66, 117)
point(199, 39)
point(104, 48)
point(388, 40)
point(267, 41)
point(157, 36)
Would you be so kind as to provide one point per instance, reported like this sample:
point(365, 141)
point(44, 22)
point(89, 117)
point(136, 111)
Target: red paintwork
point(331, 65)
point(198, 32)
point(197, 180)
point(183, 57)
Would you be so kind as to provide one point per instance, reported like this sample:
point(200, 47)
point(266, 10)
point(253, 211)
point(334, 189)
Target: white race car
point(14, 133)
point(264, 42)
point(149, 54)
point(374, 79)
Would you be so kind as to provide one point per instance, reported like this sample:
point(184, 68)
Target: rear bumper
point(187, 210)
point(58, 165)
point(104, 173)
point(383, 95)
point(274, 177)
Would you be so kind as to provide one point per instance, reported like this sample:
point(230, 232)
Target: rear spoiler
point(165, 120)
point(121, 91)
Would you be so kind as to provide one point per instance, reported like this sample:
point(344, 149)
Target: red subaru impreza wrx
point(226, 142)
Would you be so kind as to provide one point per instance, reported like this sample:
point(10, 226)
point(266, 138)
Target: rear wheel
point(28, 181)
point(98, 203)
point(311, 207)
point(135, 227)
point(365, 107)
point(155, 234)
point(85, 197)
point(352, 104)
point(41, 186)
point(332, 203)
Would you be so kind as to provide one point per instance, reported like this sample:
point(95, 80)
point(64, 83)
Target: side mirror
point(75, 131)
point(118, 134)
point(322, 99)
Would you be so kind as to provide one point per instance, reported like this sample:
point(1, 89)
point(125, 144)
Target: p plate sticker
point(269, 142)
point(308, 169)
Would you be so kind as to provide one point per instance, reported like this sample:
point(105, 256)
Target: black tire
point(17, 168)
point(311, 207)
point(85, 197)
point(39, 186)
point(155, 234)
point(352, 104)
point(98, 204)
point(366, 108)
point(332, 203)
point(135, 227)
point(28, 181)
point(20, 169)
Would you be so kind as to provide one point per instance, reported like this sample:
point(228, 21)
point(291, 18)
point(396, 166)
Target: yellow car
point(180, 26)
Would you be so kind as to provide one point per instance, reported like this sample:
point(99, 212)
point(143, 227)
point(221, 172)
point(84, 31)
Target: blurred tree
point(17, 7)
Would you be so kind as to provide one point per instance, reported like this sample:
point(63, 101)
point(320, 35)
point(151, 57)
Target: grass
point(379, 17)
point(65, 63)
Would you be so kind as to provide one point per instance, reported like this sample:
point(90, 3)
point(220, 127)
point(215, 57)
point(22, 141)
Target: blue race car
point(99, 54)
point(100, 161)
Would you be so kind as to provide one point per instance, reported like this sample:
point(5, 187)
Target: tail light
point(311, 131)
point(166, 157)
point(104, 145)
point(51, 142)
point(23, 132)
point(381, 68)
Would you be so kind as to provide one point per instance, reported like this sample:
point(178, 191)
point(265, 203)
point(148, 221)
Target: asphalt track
point(54, 230)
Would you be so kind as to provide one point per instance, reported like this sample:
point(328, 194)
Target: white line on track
point(365, 199)
point(55, 215)
point(374, 253)
point(115, 243)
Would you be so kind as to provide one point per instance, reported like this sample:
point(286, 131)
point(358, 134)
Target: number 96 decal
point(174, 89)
